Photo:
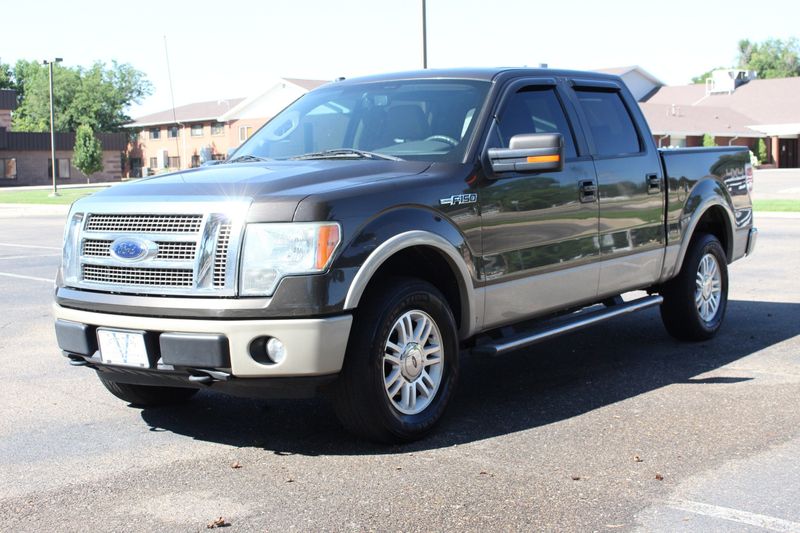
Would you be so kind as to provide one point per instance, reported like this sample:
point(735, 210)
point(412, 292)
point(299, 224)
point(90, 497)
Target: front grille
point(144, 223)
point(195, 253)
point(167, 251)
point(221, 257)
point(154, 277)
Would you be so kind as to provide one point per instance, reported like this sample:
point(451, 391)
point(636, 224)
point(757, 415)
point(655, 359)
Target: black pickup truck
point(379, 227)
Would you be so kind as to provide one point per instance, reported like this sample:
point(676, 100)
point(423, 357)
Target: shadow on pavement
point(551, 382)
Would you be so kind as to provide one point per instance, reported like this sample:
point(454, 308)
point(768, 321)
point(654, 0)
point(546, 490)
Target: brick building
point(25, 157)
point(194, 133)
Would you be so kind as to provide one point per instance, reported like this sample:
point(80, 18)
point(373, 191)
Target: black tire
point(679, 312)
point(148, 395)
point(361, 399)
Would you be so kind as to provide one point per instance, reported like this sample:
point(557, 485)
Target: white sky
point(232, 48)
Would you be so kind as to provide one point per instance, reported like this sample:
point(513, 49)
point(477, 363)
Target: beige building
point(195, 133)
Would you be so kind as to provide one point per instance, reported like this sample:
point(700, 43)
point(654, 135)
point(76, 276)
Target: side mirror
point(530, 152)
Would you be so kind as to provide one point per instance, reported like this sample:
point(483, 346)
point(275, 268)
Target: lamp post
point(50, 63)
point(424, 36)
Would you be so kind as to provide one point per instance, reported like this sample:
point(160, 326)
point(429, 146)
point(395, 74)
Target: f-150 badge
point(459, 199)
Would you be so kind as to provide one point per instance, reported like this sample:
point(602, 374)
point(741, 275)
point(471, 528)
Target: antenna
point(172, 98)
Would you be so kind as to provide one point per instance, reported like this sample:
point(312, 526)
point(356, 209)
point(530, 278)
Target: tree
point(97, 96)
point(708, 140)
point(88, 156)
point(762, 151)
point(6, 77)
point(773, 58)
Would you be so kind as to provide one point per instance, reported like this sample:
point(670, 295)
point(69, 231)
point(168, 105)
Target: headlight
point(71, 252)
point(273, 251)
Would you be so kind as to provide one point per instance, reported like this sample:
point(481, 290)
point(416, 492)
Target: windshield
point(424, 120)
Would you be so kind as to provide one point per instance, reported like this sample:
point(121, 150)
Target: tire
point(148, 395)
point(695, 301)
point(380, 394)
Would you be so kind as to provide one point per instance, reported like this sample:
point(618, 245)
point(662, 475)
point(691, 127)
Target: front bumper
point(314, 346)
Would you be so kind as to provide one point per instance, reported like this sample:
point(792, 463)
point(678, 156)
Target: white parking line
point(27, 256)
point(735, 515)
point(20, 276)
point(13, 245)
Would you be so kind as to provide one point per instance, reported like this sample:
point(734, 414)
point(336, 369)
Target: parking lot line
point(20, 276)
point(735, 515)
point(14, 245)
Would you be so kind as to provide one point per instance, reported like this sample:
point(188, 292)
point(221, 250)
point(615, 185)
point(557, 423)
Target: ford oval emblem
point(130, 249)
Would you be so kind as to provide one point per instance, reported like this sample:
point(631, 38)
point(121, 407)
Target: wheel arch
point(431, 257)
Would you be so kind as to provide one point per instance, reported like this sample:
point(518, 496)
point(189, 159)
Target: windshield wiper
point(247, 158)
point(345, 153)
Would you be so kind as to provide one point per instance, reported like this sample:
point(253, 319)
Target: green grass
point(776, 205)
point(67, 196)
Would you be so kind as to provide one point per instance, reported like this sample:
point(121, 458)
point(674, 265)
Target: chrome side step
point(581, 321)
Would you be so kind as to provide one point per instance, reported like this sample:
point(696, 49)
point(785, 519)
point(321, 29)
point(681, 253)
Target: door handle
point(587, 191)
point(653, 184)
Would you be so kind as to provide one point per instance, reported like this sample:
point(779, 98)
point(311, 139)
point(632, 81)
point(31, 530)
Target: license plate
point(122, 348)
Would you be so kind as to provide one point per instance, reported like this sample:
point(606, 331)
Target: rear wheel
point(401, 365)
point(695, 301)
point(147, 395)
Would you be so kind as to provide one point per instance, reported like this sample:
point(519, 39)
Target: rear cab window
point(610, 123)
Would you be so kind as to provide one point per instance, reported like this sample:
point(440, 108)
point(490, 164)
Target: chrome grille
point(154, 277)
point(221, 256)
point(167, 251)
point(144, 223)
point(189, 254)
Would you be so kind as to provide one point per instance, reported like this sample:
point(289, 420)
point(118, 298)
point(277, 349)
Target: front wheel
point(401, 364)
point(695, 301)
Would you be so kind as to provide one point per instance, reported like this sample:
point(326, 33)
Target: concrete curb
point(776, 214)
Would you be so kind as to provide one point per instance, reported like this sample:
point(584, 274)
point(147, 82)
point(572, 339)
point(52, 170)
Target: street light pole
point(424, 36)
point(49, 63)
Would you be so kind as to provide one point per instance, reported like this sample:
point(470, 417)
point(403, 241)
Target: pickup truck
point(378, 228)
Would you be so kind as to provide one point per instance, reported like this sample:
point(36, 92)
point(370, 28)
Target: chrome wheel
point(708, 287)
point(413, 361)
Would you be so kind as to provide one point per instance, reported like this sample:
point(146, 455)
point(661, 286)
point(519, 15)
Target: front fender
point(398, 229)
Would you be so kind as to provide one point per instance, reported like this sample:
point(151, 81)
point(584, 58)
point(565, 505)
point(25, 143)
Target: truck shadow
point(551, 382)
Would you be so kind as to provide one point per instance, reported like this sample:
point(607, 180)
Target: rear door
point(630, 182)
point(539, 230)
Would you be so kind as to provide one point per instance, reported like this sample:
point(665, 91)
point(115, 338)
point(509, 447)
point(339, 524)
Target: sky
point(236, 48)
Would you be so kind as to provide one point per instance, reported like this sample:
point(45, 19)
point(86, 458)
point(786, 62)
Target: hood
point(277, 186)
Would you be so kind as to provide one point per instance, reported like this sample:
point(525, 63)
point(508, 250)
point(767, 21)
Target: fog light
point(276, 351)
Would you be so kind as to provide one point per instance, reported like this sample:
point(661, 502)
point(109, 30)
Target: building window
point(155, 133)
point(195, 161)
point(174, 162)
point(8, 169)
point(218, 157)
point(153, 162)
point(172, 132)
point(197, 130)
point(244, 133)
point(62, 168)
point(217, 128)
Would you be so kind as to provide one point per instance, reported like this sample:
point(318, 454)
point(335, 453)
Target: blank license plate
point(122, 348)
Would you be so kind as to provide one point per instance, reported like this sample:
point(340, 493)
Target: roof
point(308, 85)
point(8, 99)
point(687, 120)
point(35, 141)
point(621, 71)
point(197, 112)
point(771, 101)
point(273, 95)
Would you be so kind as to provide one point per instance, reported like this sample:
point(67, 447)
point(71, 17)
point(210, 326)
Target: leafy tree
point(773, 58)
point(762, 151)
point(704, 76)
point(708, 140)
point(88, 156)
point(6, 77)
point(97, 96)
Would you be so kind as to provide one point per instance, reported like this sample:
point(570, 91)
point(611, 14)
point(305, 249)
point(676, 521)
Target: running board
point(528, 338)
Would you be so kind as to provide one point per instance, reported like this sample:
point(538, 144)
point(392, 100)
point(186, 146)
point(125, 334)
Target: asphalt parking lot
point(618, 428)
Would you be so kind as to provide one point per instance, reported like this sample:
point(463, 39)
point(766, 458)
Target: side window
point(609, 122)
point(535, 110)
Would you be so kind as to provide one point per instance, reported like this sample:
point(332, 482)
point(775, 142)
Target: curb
point(776, 214)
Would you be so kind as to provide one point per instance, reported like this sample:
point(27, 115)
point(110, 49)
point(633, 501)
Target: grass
point(67, 196)
point(777, 205)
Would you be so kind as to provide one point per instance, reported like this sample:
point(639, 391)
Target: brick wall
point(32, 168)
